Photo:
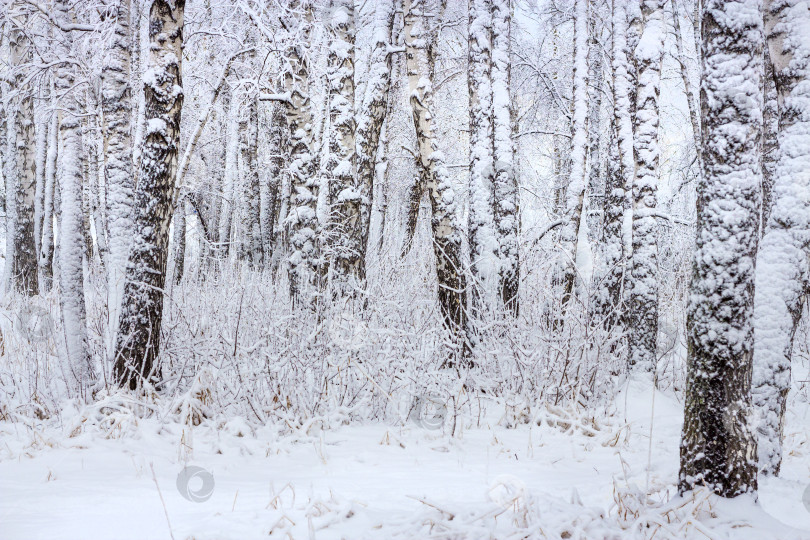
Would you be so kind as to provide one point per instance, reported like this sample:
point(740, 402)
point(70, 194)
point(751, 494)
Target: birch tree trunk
point(231, 178)
point(138, 339)
point(566, 271)
point(481, 219)
point(718, 448)
point(782, 265)
point(116, 104)
point(301, 220)
point(46, 249)
point(345, 193)
point(507, 220)
point(20, 199)
point(644, 294)
point(42, 122)
point(373, 110)
point(71, 230)
point(691, 102)
point(271, 187)
point(251, 196)
point(770, 141)
point(615, 248)
point(433, 177)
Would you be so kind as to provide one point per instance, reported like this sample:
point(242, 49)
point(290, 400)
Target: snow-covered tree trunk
point(507, 219)
point(770, 141)
point(251, 196)
point(301, 220)
point(373, 110)
point(565, 271)
point(345, 192)
point(138, 338)
point(681, 57)
point(615, 248)
point(596, 181)
point(782, 265)
point(718, 448)
point(116, 104)
point(46, 248)
point(20, 199)
point(179, 240)
point(71, 228)
point(41, 122)
point(231, 178)
point(433, 177)
point(481, 218)
point(271, 186)
point(644, 294)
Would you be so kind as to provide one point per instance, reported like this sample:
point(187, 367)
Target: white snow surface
point(562, 475)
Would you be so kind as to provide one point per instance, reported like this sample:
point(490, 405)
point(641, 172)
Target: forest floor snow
point(568, 477)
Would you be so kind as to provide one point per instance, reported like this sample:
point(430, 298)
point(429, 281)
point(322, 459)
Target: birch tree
point(718, 448)
point(346, 196)
point(782, 266)
point(116, 106)
point(565, 270)
point(644, 294)
point(433, 177)
point(615, 248)
point(507, 219)
point(251, 248)
point(372, 110)
point(138, 339)
point(301, 220)
point(71, 229)
point(21, 259)
point(481, 218)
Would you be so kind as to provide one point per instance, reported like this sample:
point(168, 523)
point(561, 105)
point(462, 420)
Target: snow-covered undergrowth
point(342, 423)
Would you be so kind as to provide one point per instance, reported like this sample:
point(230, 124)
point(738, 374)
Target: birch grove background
point(405, 268)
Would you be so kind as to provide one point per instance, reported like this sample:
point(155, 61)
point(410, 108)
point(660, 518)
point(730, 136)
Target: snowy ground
point(562, 479)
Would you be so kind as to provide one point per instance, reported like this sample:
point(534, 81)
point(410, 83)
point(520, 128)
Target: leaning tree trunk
point(433, 177)
point(481, 219)
point(116, 104)
point(345, 193)
point(782, 266)
point(565, 271)
point(138, 338)
point(20, 199)
point(301, 220)
point(718, 448)
point(71, 229)
point(507, 220)
point(644, 294)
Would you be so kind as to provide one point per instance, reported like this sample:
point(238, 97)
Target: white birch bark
point(481, 218)
point(301, 220)
point(648, 56)
point(782, 265)
point(117, 148)
point(345, 192)
point(507, 220)
point(138, 340)
point(71, 227)
point(718, 448)
point(21, 258)
point(565, 271)
point(433, 178)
